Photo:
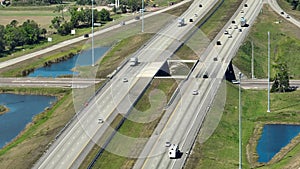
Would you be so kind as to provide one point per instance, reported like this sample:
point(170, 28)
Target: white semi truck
point(173, 151)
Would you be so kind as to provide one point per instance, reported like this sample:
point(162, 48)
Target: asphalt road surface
point(185, 119)
point(49, 82)
point(117, 96)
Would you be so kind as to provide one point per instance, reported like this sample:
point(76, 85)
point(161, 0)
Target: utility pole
point(252, 61)
point(93, 55)
point(268, 72)
point(240, 123)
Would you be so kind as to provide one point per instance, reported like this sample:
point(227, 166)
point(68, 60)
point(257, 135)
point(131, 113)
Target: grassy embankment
point(30, 144)
point(221, 150)
point(285, 45)
point(288, 8)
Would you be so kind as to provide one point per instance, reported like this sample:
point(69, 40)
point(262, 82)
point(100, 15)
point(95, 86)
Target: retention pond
point(274, 137)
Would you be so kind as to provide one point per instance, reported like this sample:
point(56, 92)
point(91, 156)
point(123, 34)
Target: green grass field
point(285, 45)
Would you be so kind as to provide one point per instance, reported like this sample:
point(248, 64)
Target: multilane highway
point(187, 116)
point(118, 95)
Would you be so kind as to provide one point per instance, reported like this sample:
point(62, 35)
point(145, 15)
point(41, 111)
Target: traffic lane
point(87, 121)
point(185, 127)
point(191, 135)
point(174, 129)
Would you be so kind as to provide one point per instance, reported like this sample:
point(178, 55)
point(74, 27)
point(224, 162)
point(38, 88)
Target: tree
point(281, 80)
point(65, 28)
point(56, 22)
point(104, 15)
point(30, 32)
point(60, 8)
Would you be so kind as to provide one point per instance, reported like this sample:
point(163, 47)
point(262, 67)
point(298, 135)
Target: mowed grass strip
point(221, 149)
point(285, 45)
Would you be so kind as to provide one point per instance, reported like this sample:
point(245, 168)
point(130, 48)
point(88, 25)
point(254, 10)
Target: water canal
point(22, 108)
point(65, 67)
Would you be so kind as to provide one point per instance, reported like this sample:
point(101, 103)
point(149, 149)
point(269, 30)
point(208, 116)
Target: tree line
point(79, 19)
point(13, 35)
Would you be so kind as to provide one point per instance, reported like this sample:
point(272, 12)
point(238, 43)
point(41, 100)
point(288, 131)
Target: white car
point(195, 92)
point(235, 82)
point(100, 120)
point(125, 80)
point(168, 144)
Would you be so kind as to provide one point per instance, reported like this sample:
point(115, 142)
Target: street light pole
point(93, 57)
point(268, 72)
point(142, 15)
point(240, 123)
point(252, 61)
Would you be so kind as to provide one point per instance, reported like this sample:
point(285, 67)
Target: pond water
point(274, 137)
point(65, 67)
point(22, 108)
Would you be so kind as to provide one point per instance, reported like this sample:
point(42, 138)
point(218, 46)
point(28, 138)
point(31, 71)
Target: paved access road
point(186, 117)
point(49, 82)
point(118, 96)
point(263, 83)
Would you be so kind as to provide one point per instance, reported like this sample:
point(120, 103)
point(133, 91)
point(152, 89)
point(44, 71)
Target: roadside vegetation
point(285, 46)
